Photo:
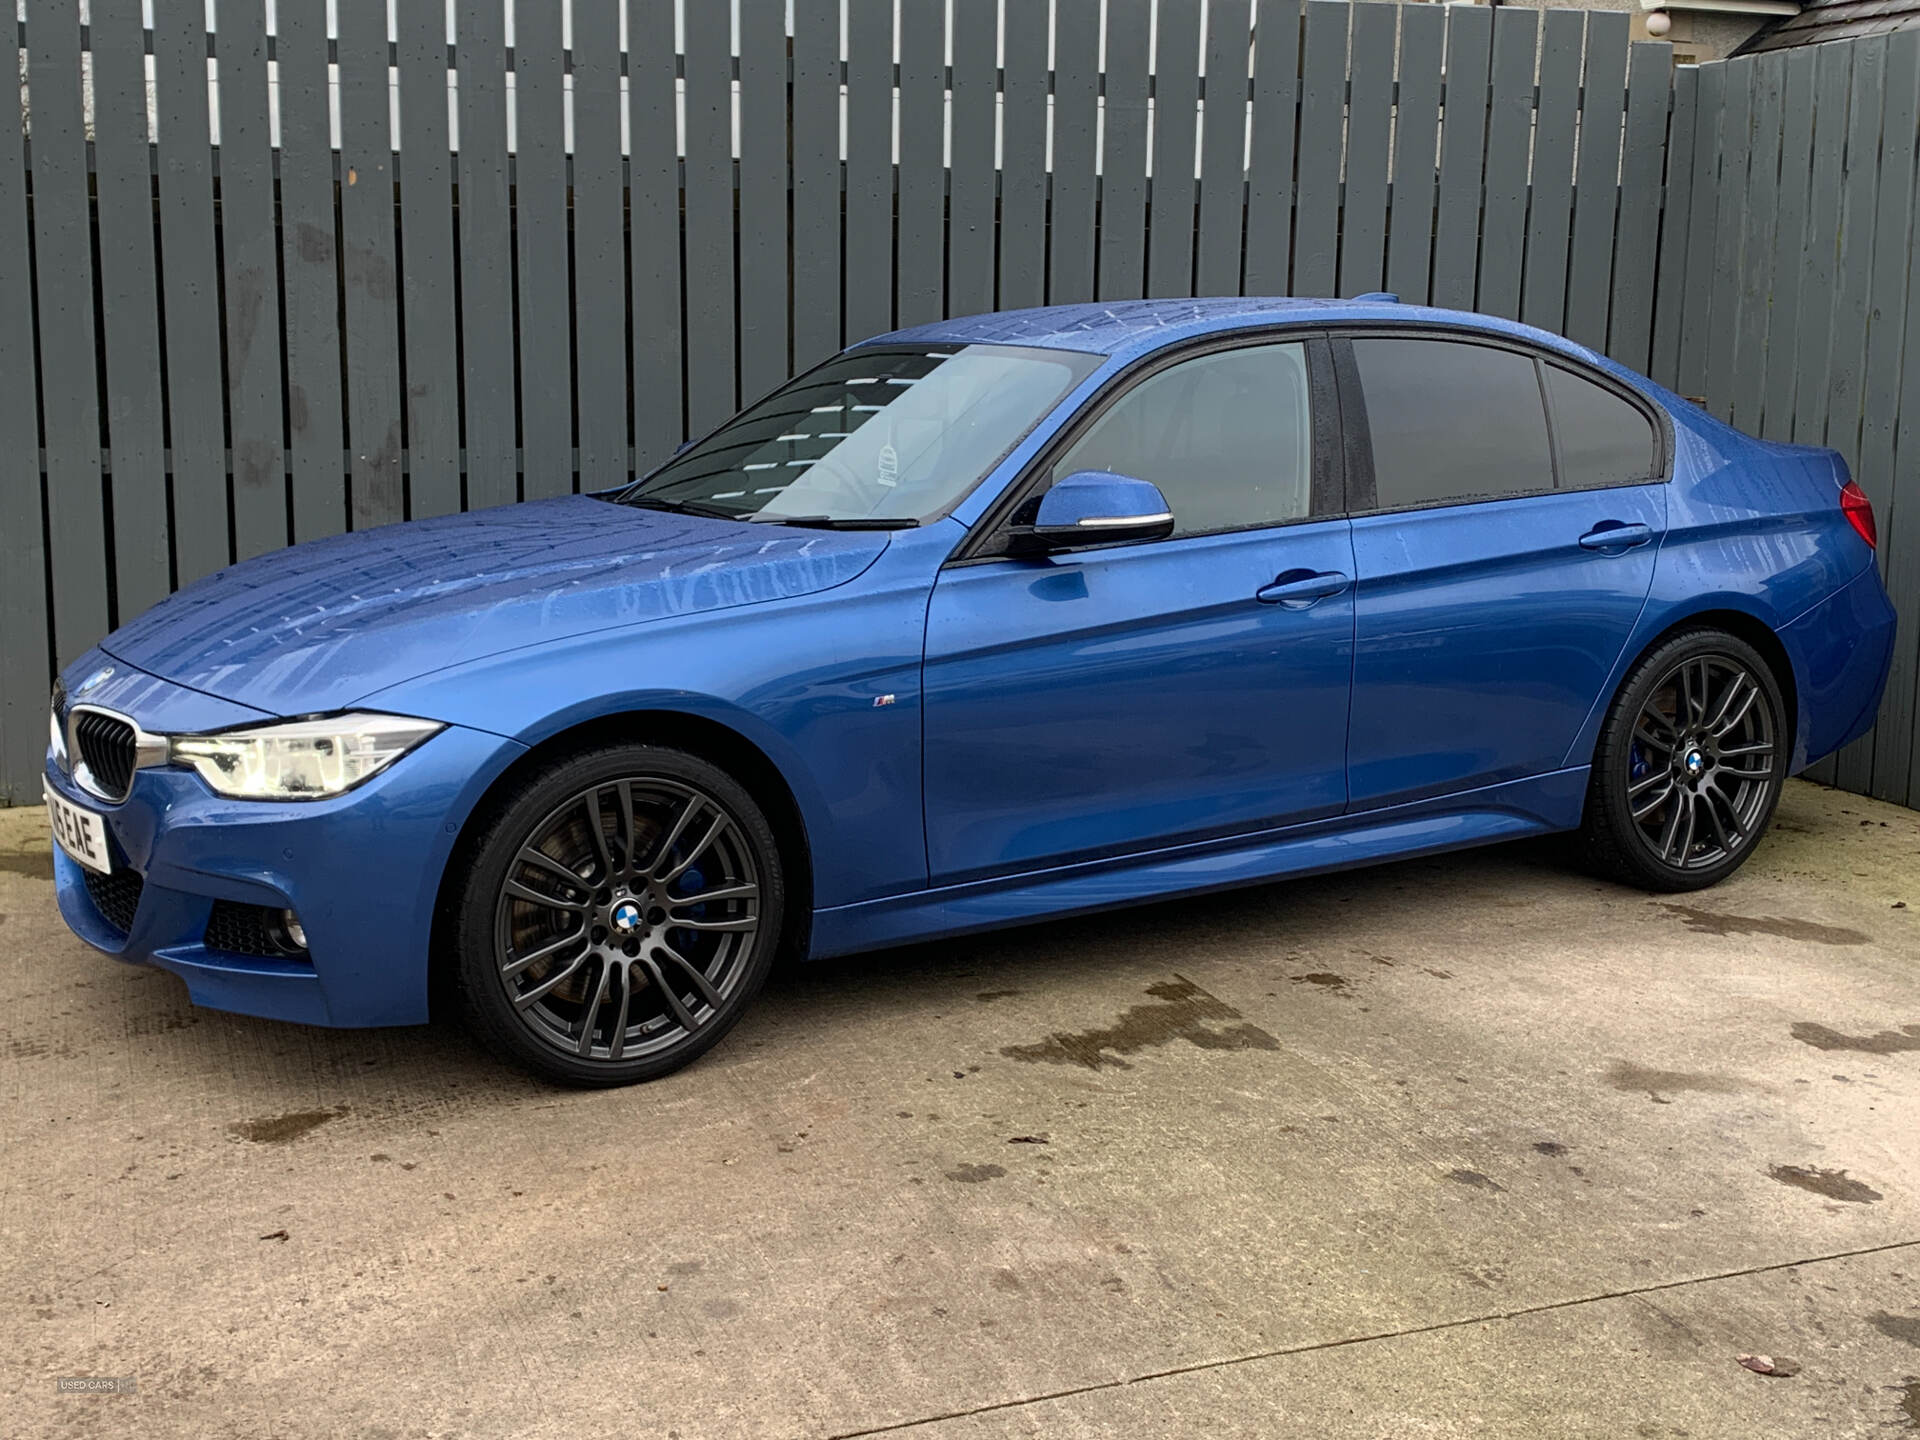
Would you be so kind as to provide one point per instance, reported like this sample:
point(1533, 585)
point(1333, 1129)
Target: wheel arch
point(700, 735)
point(1743, 625)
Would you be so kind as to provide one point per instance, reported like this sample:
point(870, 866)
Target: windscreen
point(878, 434)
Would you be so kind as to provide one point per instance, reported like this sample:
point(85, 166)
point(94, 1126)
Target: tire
point(611, 958)
point(1689, 765)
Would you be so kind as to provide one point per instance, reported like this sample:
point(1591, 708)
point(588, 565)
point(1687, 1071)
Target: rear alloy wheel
point(1689, 766)
point(623, 910)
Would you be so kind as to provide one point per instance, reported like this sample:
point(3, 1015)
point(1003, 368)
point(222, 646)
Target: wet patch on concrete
point(1625, 1076)
point(1325, 979)
point(1904, 1328)
point(1833, 1184)
point(1885, 1042)
point(1181, 1013)
point(283, 1129)
point(1910, 1403)
point(1553, 1149)
point(35, 864)
point(1475, 1180)
point(987, 997)
point(974, 1174)
point(1713, 922)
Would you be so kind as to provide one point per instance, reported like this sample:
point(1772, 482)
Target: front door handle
point(1297, 589)
point(1613, 535)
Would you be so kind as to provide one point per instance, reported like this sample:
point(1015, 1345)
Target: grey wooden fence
point(1797, 301)
point(228, 322)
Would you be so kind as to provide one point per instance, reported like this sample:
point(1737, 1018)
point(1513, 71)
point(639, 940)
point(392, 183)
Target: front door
point(1122, 699)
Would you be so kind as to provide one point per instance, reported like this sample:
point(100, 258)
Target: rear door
point(1507, 508)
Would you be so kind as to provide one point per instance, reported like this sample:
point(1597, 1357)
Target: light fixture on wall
point(1659, 23)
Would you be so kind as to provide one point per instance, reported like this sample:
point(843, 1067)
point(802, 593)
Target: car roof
point(1128, 329)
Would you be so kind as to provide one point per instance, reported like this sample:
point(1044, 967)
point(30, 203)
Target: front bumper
point(361, 870)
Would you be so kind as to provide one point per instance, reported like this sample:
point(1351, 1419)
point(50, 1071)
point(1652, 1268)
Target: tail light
point(1859, 512)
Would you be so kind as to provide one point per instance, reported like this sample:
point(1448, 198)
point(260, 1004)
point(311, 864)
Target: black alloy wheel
point(621, 912)
point(1689, 766)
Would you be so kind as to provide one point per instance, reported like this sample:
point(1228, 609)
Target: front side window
point(1452, 421)
point(1228, 438)
point(877, 435)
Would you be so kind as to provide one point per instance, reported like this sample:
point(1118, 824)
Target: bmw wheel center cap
point(626, 916)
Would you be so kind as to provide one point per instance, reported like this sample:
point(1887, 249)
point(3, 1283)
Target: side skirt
point(1535, 806)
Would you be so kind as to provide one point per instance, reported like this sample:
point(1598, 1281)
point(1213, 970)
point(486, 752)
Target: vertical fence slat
point(1023, 158)
point(1223, 142)
point(1676, 221)
point(1859, 196)
point(922, 203)
point(1832, 71)
point(1696, 298)
point(1789, 234)
point(129, 307)
point(869, 250)
point(426, 256)
point(375, 483)
point(1893, 342)
point(252, 275)
point(763, 197)
point(1637, 233)
point(1736, 145)
point(1123, 169)
point(63, 274)
point(599, 246)
point(1323, 85)
point(190, 297)
point(1363, 238)
point(659, 394)
point(540, 223)
point(1456, 239)
point(816, 179)
point(310, 278)
point(1761, 207)
point(1276, 82)
point(1076, 120)
point(1416, 137)
point(25, 664)
point(1176, 93)
point(1603, 94)
point(1503, 228)
point(486, 256)
point(970, 228)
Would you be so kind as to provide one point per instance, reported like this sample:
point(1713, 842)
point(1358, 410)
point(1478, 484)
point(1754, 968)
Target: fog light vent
point(260, 930)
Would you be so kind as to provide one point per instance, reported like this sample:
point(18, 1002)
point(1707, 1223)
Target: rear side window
point(1452, 421)
point(1604, 439)
point(1228, 438)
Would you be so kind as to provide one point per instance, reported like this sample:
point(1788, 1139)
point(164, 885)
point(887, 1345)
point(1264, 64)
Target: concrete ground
point(1468, 1146)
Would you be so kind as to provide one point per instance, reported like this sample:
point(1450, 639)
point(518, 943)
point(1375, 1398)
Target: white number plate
point(81, 833)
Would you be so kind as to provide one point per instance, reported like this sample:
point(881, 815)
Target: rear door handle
point(1614, 535)
point(1297, 589)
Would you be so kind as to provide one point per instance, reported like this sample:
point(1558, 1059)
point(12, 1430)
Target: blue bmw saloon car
point(1001, 618)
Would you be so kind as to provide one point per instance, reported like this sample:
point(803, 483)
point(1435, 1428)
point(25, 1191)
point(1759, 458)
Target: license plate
point(81, 833)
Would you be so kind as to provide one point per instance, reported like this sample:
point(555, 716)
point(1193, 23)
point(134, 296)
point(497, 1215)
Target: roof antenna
point(1378, 297)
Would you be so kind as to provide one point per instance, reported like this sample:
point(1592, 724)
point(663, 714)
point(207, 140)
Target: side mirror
point(1094, 507)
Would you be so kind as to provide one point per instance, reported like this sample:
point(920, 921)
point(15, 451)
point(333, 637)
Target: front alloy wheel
point(624, 909)
point(1689, 766)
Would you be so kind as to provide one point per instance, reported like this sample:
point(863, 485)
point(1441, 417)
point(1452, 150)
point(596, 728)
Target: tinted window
point(1452, 421)
point(1604, 440)
point(1227, 437)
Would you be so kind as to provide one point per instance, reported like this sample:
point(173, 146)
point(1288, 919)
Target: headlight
point(301, 759)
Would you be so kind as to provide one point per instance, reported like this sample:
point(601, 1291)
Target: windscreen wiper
point(684, 507)
point(834, 522)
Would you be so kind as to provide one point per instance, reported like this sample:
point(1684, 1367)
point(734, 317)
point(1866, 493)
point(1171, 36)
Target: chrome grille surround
point(106, 748)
